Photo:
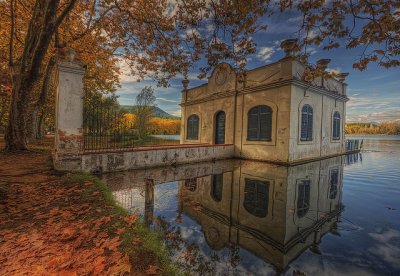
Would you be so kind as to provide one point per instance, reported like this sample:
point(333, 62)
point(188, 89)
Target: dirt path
point(58, 224)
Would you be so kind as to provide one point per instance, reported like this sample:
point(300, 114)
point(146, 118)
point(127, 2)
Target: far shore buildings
point(269, 113)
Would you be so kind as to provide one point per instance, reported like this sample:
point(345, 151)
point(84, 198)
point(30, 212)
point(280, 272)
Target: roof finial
point(289, 46)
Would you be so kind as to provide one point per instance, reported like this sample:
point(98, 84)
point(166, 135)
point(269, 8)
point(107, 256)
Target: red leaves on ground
point(131, 219)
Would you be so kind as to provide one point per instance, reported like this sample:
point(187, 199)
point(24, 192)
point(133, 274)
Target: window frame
point(252, 202)
point(302, 209)
point(336, 126)
point(333, 171)
point(189, 134)
point(217, 182)
point(309, 113)
point(258, 137)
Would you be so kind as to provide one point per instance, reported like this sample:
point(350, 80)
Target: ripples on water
point(331, 217)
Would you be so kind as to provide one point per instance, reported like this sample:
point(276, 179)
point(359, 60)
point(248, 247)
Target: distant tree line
point(384, 128)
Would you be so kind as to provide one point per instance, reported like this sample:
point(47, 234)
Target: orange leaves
point(123, 266)
point(187, 256)
point(49, 228)
point(131, 219)
point(153, 270)
point(119, 231)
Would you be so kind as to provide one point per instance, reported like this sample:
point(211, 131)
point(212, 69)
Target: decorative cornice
point(262, 87)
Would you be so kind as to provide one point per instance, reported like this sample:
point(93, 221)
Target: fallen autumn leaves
point(63, 225)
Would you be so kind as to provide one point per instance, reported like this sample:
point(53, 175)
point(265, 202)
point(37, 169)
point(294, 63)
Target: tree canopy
point(163, 38)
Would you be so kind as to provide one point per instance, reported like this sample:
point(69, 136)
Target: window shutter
point(252, 126)
point(304, 123)
point(265, 123)
point(217, 186)
point(303, 200)
point(306, 127)
point(259, 124)
point(336, 126)
point(334, 180)
point(193, 127)
point(310, 124)
point(256, 197)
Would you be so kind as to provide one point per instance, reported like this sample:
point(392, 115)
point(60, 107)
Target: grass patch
point(149, 250)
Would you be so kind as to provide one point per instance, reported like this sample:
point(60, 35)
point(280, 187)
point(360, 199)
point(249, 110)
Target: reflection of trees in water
point(189, 256)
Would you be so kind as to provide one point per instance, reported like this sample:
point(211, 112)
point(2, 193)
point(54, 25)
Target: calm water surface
point(331, 217)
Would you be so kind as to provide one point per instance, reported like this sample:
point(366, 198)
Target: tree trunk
point(16, 133)
point(41, 29)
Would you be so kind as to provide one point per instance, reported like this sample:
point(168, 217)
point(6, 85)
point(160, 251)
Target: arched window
point(336, 126)
point(256, 195)
point(303, 198)
point(259, 124)
point(216, 186)
point(306, 123)
point(192, 127)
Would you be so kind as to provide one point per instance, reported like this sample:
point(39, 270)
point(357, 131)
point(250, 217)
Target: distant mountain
point(158, 112)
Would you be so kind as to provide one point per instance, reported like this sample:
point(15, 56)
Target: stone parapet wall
point(153, 157)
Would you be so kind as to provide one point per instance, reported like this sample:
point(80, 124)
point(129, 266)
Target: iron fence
point(105, 127)
point(108, 127)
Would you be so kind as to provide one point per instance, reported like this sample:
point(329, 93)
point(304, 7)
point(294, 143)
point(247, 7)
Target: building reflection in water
point(274, 212)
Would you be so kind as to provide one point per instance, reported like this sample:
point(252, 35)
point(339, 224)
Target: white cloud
point(166, 100)
point(191, 33)
point(334, 70)
point(390, 115)
point(176, 113)
point(125, 75)
point(386, 247)
point(265, 53)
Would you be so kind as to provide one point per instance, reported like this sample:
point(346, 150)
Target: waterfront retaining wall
point(153, 157)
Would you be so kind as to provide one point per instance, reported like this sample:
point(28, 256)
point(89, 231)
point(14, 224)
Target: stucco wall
point(276, 149)
point(322, 143)
point(207, 112)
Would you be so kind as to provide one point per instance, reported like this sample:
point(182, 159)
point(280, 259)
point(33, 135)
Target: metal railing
point(353, 145)
point(106, 128)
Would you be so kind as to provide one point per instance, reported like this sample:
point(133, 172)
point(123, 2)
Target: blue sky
point(374, 94)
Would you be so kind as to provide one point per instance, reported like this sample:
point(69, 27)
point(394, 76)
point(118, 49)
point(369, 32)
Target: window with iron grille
point(303, 197)
point(256, 196)
point(192, 127)
point(333, 183)
point(216, 186)
point(336, 126)
point(306, 133)
point(259, 124)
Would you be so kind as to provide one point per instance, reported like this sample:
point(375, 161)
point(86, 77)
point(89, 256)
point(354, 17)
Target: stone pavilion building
point(270, 113)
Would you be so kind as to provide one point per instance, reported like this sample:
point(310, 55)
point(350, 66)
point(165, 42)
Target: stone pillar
point(69, 114)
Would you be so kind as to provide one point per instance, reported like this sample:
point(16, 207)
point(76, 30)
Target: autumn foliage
point(383, 128)
point(156, 125)
point(63, 226)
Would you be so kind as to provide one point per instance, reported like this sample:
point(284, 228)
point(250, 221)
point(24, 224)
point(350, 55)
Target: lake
point(235, 217)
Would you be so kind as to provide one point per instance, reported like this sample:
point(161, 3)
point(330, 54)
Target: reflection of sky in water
point(369, 227)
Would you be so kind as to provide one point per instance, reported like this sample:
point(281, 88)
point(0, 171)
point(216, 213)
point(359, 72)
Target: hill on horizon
point(158, 112)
